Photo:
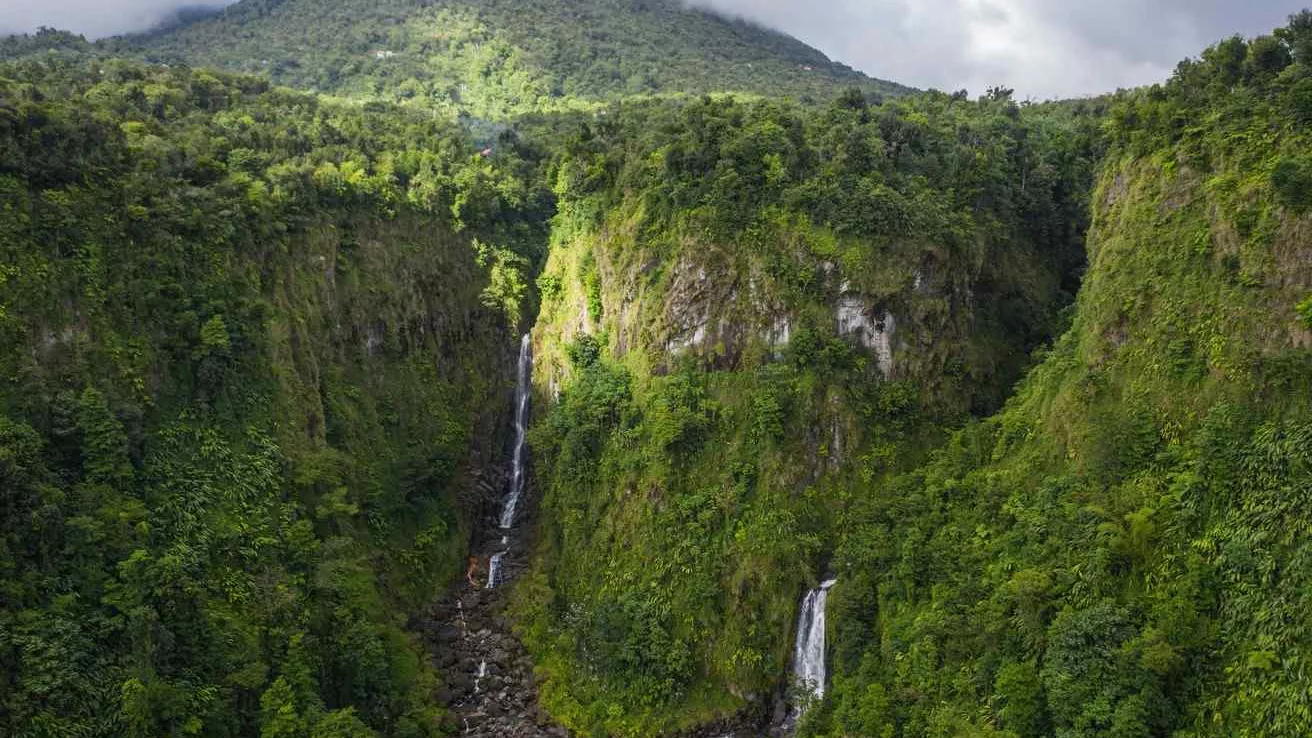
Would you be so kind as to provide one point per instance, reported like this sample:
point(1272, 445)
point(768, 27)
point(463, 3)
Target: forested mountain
point(250, 343)
point(1124, 550)
point(501, 58)
point(1121, 552)
point(751, 312)
point(1025, 386)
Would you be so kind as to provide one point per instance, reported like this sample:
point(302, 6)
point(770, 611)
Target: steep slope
point(1125, 549)
point(255, 346)
point(252, 346)
point(498, 58)
point(749, 311)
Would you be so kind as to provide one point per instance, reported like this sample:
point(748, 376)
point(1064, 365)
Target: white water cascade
point(480, 676)
point(522, 389)
point(494, 570)
point(809, 652)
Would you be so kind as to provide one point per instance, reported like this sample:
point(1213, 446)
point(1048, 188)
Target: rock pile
point(488, 675)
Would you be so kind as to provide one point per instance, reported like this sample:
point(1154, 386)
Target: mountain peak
point(498, 58)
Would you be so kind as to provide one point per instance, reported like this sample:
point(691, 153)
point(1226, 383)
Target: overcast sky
point(91, 18)
point(1042, 48)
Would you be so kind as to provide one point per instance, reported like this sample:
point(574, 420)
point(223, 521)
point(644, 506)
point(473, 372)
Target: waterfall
point(478, 678)
point(521, 431)
point(809, 653)
point(494, 570)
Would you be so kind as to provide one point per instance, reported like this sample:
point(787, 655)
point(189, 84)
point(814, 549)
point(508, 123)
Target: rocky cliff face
point(243, 399)
point(717, 384)
point(1119, 549)
point(723, 309)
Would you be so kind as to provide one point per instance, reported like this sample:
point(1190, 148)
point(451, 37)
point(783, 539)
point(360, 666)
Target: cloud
point(92, 18)
point(1042, 48)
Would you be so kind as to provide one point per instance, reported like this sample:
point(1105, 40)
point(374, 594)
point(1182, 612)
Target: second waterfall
point(809, 651)
point(523, 387)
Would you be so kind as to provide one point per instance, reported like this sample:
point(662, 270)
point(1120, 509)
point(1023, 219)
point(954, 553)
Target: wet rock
point(474, 645)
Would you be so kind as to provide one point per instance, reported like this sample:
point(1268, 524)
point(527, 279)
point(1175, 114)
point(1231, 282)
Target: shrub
point(1292, 180)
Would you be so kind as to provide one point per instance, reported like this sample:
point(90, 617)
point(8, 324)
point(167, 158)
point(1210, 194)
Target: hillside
point(500, 58)
point(749, 311)
point(252, 345)
point(1124, 550)
point(1028, 388)
point(754, 347)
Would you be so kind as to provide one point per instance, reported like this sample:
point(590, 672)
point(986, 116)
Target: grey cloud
point(91, 18)
point(1043, 48)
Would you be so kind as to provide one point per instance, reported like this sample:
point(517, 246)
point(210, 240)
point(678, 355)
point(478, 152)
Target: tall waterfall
point(521, 431)
point(809, 653)
point(494, 570)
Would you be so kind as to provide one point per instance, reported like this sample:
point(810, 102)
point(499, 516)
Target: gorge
point(521, 384)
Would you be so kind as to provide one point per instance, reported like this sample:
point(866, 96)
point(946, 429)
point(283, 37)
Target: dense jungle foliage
point(497, 59)
point(247, 341)
point(691, 487)
point(1124, 551)
point(254, 343)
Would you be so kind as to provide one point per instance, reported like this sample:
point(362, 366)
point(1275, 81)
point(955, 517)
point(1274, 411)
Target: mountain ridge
point(255, 380)
point(526, 58)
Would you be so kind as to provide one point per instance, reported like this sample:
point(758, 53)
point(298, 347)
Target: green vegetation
point(244, 355)
point(496, 59)
point(44, 41)
point(701, 455)
point(254, 341)
point(1122, 551)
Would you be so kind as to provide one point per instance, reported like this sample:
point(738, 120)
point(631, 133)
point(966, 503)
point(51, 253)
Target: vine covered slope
point(750, 312)
point(1124, 549)
point(502, 58)
point(248, 347)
